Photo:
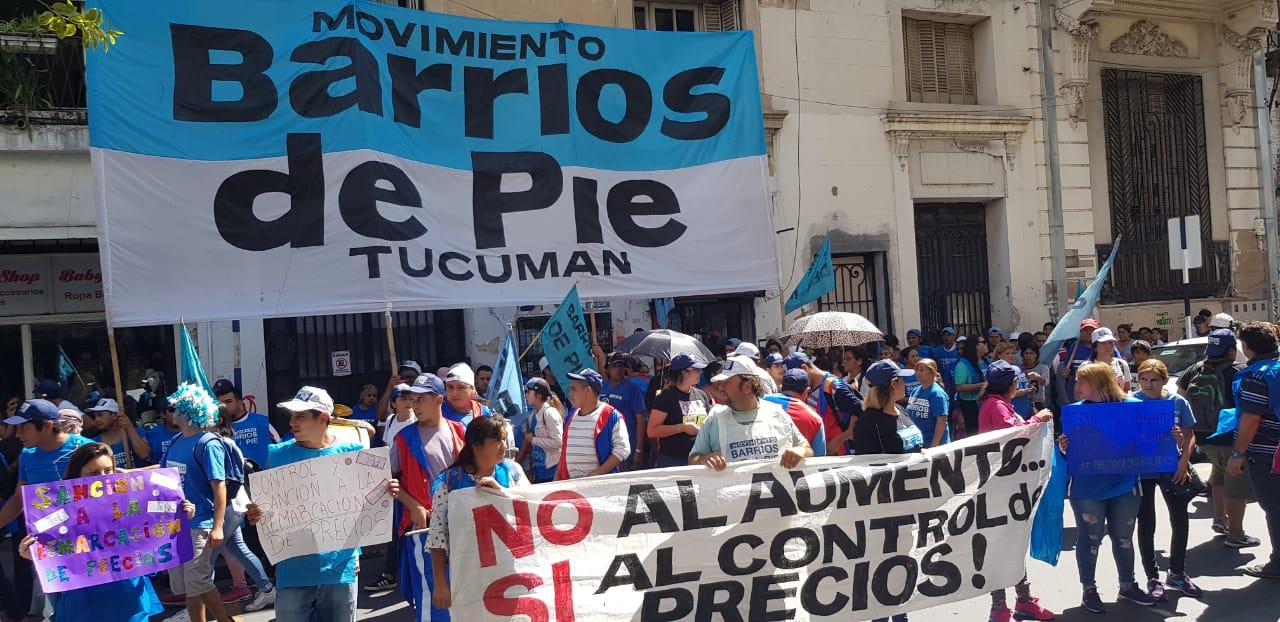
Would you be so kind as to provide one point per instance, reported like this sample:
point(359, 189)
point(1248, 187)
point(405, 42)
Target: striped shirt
point(1255, 398)
point(580, 451)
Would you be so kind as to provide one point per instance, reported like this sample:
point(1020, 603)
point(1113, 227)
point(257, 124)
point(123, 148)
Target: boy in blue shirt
point(628, 398)
point(319, 587)
point(460, 386)
point(254, 432)
point(47, 448)
point(202, 462)
point(113, 429)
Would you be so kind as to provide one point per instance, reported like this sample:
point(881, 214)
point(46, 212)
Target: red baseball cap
point(1089, 323)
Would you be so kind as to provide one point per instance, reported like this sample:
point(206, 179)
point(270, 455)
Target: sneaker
point(181, 616)
point(1182, 583)
point(1000, 614)
point(1031, 610)
point(174, 600)
point(1092, 602)
point(1220, 527)
point(262, 600)
point(237, 594)
point(1156, 589)
point(385, 583)
point(1262, 572)
point(1243, 542)
point(1135, 595)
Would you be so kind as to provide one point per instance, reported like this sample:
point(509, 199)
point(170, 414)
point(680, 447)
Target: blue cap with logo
point(34, 411)
point(427, 383)
point(914, 332)
point(881, 373)
point(1000, 375)
point(1221, 341)
point(795, 380)
point(773, 359)
point(398, 391)
point(795, 361)
point(592, 378)
point(681, 362)
point(949, 330)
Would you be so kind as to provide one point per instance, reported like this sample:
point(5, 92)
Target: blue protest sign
point(566, 340)
point(1120, 438)
point(817, 281)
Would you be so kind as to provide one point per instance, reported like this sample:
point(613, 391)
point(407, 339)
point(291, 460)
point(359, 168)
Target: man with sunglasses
point(161, 435)
point(748, 427)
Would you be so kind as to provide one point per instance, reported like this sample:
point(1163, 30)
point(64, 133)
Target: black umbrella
point(664, 344)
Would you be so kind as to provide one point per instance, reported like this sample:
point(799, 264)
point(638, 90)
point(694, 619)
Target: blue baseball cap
point(427, 383)
point(1000, 375)
point(914, 332)
point(995, 330)
point(1221, 341)
point(881, 373)
point(417, 369)
point(592, 378)
point(795, 380)
point(399, 390)
point(682, 362)
point(773, 359)
point(795, 361)
point(734, 341)
point(34, 411)
point(949, 329)
point(48, 388)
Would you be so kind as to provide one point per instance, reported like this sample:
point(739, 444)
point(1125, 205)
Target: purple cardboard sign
point(96, 530)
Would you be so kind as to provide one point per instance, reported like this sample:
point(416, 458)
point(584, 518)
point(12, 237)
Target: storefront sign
point(331, 156)
point(44, 284)
point(340, 362)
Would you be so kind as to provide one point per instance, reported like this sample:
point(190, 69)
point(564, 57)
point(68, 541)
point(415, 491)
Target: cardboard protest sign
point(96, 530)
point(311, 142)
point(1120, 438)
point(329, 503)
point(839, 539)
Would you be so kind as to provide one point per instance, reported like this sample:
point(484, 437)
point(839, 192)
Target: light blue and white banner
point(301, 157)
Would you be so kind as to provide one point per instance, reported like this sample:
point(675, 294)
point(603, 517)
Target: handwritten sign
point(1120, 438)
point(97, 530)
point(324, 504)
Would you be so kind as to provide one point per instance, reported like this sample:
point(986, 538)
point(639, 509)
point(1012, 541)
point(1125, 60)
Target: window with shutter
point(670, 16)
point(939, 62)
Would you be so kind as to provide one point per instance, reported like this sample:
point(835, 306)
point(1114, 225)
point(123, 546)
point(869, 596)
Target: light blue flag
point(190, 369)
point(1228, 421)
point(566, 340)
point(662, 308)
point(1069, 325)
point(66, 369)
point(820, 279)
point(506, 389)
point(1046, 527)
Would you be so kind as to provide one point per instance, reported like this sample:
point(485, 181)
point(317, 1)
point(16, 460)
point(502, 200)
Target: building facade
point(910, 131)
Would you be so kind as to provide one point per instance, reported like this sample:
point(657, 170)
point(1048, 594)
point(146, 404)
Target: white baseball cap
point(461, 373)
point(309, 398)
point(105, 404)
point(1103, 335)
point(1221, 320)
point(747, 349)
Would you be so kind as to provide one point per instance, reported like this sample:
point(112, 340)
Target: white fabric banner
point(840, 539)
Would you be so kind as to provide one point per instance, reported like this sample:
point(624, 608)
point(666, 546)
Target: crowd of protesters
point(778, 405)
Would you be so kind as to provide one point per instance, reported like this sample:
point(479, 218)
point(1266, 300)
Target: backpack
point(1207, 395)
point(233, 463)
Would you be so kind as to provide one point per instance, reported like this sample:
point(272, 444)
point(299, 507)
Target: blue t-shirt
point(197, 473)
point(334, 567)
point(365, 414)
point(925, 406)
point(36, 466)
point(913, 383)
point(946, 362)
point(462, 417)
point(1101, 487)
point(253, 436)
point(159, 438)
point(1022, 405)
point(628, 398)
point(126, 600)
point(117, 449)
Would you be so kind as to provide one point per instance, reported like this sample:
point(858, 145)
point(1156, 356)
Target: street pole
point(1266, 182)
point(1049, 110)
point(1186, 276)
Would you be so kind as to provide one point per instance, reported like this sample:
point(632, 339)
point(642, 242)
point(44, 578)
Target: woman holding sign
point(129, 600)
point(1104, 504)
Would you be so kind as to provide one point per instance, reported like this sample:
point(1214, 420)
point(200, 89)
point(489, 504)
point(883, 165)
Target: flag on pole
point(566, 340)
point(66, 369)
point(662, 308)
point(190, 369)
point(1069, 325)
point(506, 389)
point(820, 279)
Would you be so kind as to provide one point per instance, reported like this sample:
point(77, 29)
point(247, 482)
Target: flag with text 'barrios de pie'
point(566, 340)
point(817, 281)
point(318, 157)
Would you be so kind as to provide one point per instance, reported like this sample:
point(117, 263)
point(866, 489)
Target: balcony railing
point(41, 80)
point(1141, 273)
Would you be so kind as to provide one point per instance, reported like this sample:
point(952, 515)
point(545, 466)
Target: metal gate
point(1157, 169)
point(951, 255)
point(861, 287)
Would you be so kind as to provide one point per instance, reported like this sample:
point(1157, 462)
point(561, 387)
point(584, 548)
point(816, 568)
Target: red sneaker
point(1031, 610)
point(1000, 614)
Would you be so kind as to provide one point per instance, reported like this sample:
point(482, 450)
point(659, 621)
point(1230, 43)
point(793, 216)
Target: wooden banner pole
point(119, 385)
point(391, 341)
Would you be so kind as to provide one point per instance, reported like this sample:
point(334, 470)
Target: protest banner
point(96, 530)
point(311, 142)
point(838, 539)
point(330, 503)
point(1120, 438)
point(566, 340)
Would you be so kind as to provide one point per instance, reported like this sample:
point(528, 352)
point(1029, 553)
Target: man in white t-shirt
point(595, 434)
point(747, 428)
point(402, 415)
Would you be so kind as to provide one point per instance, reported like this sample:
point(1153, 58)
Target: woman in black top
point(678, 411)
point(876, 431)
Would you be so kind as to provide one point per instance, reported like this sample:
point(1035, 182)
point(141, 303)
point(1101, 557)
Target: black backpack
point(1207, 395)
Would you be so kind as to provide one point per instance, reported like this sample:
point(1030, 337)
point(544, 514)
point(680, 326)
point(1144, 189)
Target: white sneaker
point(181, 616)
point(262, 600)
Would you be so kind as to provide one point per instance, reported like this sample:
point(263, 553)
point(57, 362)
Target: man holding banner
point(748, 427)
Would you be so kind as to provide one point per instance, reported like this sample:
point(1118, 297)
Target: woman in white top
point(544, 431)
point(1104, 351)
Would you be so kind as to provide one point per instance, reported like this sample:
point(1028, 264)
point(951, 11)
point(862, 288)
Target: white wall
point(46, 195)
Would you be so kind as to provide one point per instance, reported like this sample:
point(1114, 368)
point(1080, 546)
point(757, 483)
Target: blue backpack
point(233, 462)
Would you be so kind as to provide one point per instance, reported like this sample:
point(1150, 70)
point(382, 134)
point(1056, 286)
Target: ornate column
point(1076, 73)
point(1239, 75)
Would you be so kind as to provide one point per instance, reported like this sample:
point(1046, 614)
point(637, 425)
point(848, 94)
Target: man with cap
point(947, 355)
point(402, 416)
point(628, 398)
point(1073, 353)
point(748, 350)
point(1221, 320)
point(915, 339)
point(51, 390)
point(838, 404)
point(405, 374)
point(162, 433)
point(46, 449)
point(254, 432)
point(1200, 324)
point(595, 437)
point(419, 454)
point(747, 427)
point(774, 364)
point(320, 587)
point(792, 398)
point(994, 337)
point(731, 346)
point(1257, 436)
point(116, 429)
point(459, 386)
point(678, 412)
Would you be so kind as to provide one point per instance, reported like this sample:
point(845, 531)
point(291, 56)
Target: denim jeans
point(335, 602)
point(235, 548)
point(1097, 518)
point(1267, 488)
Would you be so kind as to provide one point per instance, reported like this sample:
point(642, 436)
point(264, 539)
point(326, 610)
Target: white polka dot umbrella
point(830, 329)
